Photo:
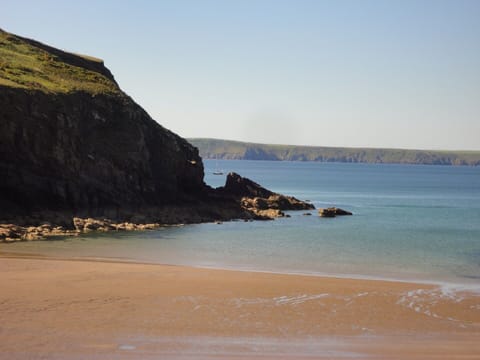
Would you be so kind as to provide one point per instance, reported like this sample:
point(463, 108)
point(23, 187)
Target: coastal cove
point(414, 223)
point(249, 180)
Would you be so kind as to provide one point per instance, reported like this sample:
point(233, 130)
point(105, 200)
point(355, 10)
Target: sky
point(396, 74)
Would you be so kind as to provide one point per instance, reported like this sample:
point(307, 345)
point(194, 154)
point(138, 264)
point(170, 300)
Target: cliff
point(72, 140)
point(78, 151)
point(238, 150)
point(73, 145)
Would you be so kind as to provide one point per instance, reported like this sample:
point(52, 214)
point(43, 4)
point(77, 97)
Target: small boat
point(217, 172)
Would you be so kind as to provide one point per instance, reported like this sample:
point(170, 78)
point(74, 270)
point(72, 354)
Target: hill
point(237, 150)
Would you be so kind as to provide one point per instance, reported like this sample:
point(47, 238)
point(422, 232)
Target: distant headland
point(238, 150)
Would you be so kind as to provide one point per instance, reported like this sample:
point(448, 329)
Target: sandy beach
point(67, 309)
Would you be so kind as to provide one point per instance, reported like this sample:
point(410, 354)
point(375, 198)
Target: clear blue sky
point(403, 74)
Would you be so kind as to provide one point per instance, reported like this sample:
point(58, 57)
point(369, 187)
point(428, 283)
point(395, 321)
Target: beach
point(240, 180)
point(72, 309)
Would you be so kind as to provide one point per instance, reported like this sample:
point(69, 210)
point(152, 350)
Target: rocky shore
point(240, 198)
point(12, 232)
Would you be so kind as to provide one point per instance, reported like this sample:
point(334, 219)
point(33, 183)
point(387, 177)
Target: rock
point(150, 226)
point(78, 223)
point(237, 185)
point(130, 226)
point(11, 232)
point(261, 202)
point(33, 236)
point(326, 213)
point(8, 232)
point(332, 212)
point(341, 212)
point(271, 213)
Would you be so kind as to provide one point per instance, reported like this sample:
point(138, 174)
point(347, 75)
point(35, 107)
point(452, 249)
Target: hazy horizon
point(348, 147)
point(396, 74)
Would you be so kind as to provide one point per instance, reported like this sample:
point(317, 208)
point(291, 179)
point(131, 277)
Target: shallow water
point(410, 222)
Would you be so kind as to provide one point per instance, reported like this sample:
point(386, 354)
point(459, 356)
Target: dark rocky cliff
point(80, 151)
point(71, 141)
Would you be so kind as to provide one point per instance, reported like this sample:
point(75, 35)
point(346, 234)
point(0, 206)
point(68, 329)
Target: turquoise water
point(410, 223)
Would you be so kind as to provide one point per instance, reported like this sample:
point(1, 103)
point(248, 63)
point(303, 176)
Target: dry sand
point(64, 309)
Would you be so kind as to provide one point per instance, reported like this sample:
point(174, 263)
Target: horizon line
point(334, 147)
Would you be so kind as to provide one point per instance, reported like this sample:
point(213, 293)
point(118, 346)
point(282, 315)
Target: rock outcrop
point(13, 232)
point(332, 212)
point(258, 200)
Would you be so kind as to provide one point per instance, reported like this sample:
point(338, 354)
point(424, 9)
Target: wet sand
point(65, 309)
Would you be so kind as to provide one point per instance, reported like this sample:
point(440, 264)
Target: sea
point(410, 223)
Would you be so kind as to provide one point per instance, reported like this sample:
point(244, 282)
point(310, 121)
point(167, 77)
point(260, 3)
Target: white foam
point(299, 299)
point(446, 286)
point(423, 301)
point(279, 300)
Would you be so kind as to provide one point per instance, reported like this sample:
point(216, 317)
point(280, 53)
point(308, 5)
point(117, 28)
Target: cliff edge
point(74, 145)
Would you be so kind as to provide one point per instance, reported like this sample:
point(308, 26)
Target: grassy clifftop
point(227, 149)
point(29, 64)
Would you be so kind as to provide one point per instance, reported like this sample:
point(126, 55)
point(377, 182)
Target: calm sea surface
point(410, 223)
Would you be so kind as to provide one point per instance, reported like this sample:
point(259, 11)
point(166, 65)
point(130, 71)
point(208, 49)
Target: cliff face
point(87, 152)
point(71, 140)
point(74, 146)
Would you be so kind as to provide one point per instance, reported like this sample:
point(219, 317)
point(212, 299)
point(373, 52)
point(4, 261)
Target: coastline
point(239, 199)
point(111, 309)
point(447, 286)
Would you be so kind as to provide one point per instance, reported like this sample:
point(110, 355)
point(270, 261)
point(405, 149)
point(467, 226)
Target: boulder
point(332, 212)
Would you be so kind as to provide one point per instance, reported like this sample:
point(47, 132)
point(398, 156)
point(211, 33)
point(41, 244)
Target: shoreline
point(450, 286)
point(130, 310)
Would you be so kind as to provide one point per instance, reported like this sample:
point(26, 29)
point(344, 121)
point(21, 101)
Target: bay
point(410, 222)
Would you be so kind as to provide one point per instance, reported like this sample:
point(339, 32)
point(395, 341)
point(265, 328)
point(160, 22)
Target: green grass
point(24, 65)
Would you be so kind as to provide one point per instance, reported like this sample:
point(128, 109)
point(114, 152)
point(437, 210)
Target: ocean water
point(416, 222)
